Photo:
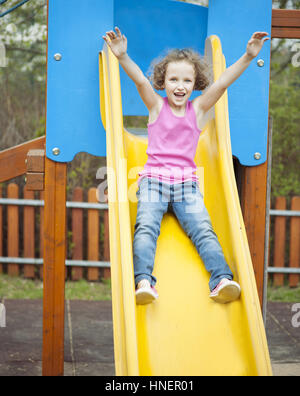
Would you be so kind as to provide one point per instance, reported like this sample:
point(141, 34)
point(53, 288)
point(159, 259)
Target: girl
point(169, 177)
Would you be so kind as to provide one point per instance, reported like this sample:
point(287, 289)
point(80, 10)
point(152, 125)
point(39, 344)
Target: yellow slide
point(184, 332)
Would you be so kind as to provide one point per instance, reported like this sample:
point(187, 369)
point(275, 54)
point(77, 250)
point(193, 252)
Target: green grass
point(284, 294)
point(19, 288)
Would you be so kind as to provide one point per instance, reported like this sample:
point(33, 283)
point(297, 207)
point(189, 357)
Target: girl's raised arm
point(210, 97)
point(118, 44)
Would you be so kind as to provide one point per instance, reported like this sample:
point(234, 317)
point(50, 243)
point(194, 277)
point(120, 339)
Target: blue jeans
point(155, 198)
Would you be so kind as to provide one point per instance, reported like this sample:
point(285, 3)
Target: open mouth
point(179, 94)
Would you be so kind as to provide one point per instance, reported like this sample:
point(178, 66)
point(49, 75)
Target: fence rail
point(21, 234)
point(38, 202)
point(288, 213)
point(21, 237)
point(284, 255)
point(70, 263)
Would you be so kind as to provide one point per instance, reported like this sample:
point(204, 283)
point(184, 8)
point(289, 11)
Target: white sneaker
point(145, 293)
point(226, 291)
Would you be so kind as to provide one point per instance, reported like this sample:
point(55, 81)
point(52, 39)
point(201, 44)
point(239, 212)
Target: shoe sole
point(228, 294)
point(144, 297)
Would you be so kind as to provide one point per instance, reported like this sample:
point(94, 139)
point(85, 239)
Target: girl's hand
point(256, 43)
point(117, 42)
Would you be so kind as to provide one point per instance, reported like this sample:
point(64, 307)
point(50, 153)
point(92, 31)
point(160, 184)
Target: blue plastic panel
point(234, 21)
point(152, 27)
point(75, 29)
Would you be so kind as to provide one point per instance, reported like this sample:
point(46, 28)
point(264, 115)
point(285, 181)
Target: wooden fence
point(284, 261)
point(21, 236)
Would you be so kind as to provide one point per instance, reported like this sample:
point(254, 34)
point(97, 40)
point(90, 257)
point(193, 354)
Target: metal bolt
point(58, 57)
point(56, 151)
point(260, 62)
point(257, 156)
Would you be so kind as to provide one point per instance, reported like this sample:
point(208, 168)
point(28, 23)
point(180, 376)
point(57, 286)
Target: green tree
point(286, 4)
point(22, 82)
point(284, 108)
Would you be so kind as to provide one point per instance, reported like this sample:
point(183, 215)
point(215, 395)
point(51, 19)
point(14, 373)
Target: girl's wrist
point(248, 57)
point(122, 57)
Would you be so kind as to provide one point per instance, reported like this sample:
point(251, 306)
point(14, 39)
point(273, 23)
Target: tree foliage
point(22, 82)
point(285, 110)
point(286, 4)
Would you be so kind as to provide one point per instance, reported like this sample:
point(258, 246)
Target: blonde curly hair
point(158, 68)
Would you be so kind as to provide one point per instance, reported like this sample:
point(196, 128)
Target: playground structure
point(73, 109)
point(149, 340)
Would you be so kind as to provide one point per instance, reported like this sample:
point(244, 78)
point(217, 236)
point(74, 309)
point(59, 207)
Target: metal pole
point(267, 233)
point(37, 202)
point(285, 213)
point(40, 261)
point(13, 8)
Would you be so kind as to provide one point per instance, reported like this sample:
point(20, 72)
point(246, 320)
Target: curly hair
point(158, 68)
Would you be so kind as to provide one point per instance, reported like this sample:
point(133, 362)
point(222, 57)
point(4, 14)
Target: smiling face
point(179, 83)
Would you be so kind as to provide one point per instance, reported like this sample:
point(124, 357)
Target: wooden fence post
point(28, 234)
point(294, 243)
point(93, 235)
point(77, 233)
point(13, 229)
point(279, 240)
point(54, 267)
point(253, 203)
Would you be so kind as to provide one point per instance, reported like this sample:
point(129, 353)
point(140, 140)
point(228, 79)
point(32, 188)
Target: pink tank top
point(172, 144)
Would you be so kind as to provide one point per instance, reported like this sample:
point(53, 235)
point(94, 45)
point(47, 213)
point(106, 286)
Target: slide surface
point(184, 332)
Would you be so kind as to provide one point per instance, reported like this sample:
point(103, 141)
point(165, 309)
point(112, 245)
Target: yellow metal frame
point(184, 332)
